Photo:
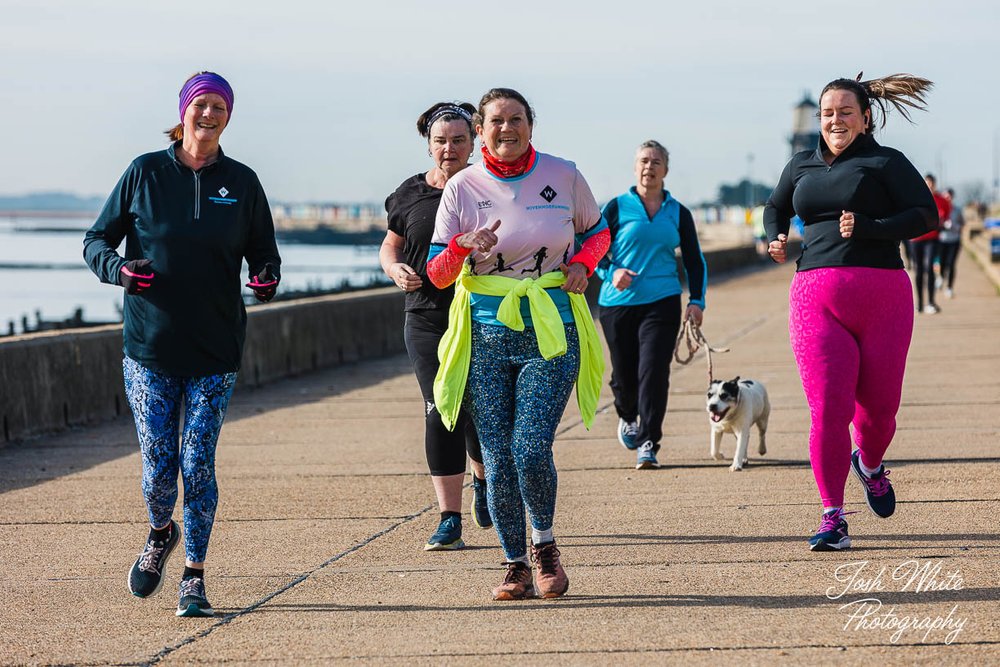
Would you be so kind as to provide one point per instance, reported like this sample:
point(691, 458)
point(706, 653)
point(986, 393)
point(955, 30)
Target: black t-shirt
point(411, 211)
point(878, 184)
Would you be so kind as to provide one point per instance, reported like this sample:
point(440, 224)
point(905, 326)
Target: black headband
point(444, 111)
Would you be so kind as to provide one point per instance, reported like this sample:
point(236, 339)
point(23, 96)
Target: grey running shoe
point(627, 432)
point(646, 457)
point(146, 576)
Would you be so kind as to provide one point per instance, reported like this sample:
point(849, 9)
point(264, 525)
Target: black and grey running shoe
point(193, 602)
point(146, 576)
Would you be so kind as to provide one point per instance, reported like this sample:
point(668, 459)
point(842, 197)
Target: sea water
point(42, 272)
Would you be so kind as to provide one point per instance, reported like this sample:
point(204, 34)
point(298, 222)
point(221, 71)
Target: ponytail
point(176, 133)
point(899, 90)
point(903, 91)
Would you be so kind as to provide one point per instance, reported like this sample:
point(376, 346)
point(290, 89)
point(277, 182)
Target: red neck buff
point(509, 169)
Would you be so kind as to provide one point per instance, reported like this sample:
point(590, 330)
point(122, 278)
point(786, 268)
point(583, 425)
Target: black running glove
point(264, 284)
point(136, 276)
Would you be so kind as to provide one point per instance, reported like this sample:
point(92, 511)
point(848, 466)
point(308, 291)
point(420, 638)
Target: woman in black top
point(189, 215)
point(411, 211)
point(851, 308)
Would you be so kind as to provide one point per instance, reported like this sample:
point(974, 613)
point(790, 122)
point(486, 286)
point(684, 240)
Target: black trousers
point(445, 449)
point(923, 253)
point(949, 258)
point(641, 340)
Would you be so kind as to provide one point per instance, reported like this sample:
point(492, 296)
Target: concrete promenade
point(325, 506)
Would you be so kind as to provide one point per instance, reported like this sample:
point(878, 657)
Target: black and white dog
point(733, 407)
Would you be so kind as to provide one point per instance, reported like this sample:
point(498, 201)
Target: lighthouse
point(805, 126)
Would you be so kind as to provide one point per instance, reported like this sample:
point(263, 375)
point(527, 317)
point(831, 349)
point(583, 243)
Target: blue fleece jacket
point(647, 246)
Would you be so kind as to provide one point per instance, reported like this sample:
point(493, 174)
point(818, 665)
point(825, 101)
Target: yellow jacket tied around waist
point(455, 349)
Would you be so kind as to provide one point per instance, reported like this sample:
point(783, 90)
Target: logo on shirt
point(486, 203)
point(223, 199)
point(548, 194)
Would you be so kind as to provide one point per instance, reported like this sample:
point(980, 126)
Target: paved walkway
point(317, 558)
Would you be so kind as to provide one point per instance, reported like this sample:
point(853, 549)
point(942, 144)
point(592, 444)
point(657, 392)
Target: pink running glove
point(136, 276)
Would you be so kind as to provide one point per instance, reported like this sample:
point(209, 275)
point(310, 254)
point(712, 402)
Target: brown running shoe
point(550, 576)
point(516, 583)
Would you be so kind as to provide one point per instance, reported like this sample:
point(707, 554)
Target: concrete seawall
point(52, 381)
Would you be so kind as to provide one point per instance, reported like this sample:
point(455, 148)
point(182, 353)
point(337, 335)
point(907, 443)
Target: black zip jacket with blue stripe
point(196, 227)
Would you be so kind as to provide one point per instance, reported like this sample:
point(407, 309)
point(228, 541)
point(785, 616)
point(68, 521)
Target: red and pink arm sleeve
point(592, 250)
point(444, 269)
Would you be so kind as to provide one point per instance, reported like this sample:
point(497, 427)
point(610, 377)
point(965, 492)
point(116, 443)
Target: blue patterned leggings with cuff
point(156, 400)
point(516, 399)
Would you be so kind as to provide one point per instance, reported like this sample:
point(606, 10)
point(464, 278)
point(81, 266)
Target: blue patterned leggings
point(155, 399)
point(516, 399)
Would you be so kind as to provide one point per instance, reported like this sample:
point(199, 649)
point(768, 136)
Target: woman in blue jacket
point(189, 215)
point(640, 298)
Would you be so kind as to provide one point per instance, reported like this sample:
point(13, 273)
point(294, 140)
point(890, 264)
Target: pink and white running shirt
point(540, 211)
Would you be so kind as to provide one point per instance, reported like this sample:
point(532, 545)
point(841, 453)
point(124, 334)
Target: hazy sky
point(327, 93)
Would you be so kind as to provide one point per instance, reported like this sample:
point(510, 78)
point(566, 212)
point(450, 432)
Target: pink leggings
point(850, 329)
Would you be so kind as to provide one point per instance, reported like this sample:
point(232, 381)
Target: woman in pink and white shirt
point(518, 214)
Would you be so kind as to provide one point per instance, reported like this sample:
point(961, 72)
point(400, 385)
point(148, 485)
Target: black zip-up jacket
point(196, 227)
point(887, 195)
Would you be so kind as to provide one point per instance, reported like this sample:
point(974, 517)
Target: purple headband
point(201, 84)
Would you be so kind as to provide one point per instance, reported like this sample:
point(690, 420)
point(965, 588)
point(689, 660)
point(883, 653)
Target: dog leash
point(690, 334)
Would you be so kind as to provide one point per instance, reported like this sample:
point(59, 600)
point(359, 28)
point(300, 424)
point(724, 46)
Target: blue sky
point(327, 93)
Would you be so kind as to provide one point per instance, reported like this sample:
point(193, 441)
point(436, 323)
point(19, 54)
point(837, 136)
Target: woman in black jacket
point(189, 215)
point(851, 308)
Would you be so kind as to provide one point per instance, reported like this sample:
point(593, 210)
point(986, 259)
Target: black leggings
point(949, 258)
point(641, 341)
point(923, 253)
point(445, 449)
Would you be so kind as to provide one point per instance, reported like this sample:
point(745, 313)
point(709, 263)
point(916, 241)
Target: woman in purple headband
point(189, 216)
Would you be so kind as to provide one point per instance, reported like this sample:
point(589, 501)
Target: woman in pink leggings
point(851, 305)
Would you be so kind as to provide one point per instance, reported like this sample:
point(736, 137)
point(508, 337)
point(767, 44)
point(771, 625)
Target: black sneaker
point(146, 576)
point(480, 510)
point(879, 495)
point(193, 602)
